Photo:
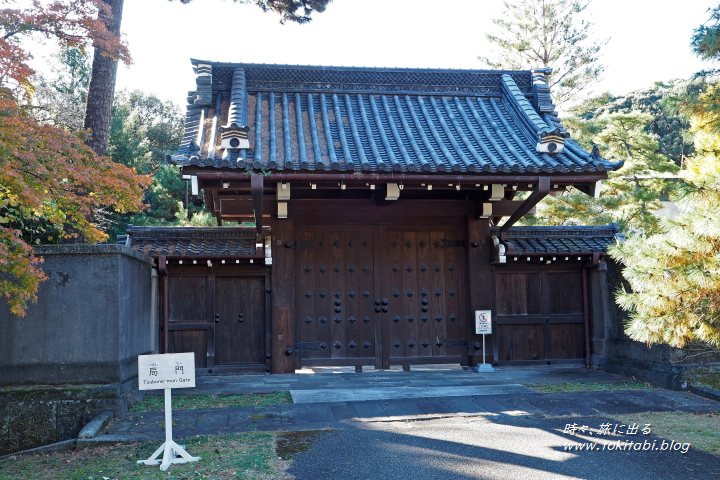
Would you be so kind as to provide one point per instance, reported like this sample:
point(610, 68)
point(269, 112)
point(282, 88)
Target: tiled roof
point(559, 240)
point(353, 119)
point(191, 241)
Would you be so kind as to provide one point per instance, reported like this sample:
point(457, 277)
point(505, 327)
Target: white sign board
point(168, 370)
point(483, 322)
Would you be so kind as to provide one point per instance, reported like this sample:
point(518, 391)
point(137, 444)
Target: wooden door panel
point(518, 293)
point(539, 314)
point(425, 300)
point(520, 343)
point(334, 301)
point(426, 320)
point(240, 320)
point(567, 340)
point(565, 293)
point(415, 275)
point(188, 326)
point(357, 305)
point(182, 341)
point(188, 298)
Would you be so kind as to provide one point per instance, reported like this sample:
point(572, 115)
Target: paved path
point(442, 423)
point(497, 406)
point(521, 448)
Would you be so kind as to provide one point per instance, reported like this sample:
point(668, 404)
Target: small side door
point(239, 317)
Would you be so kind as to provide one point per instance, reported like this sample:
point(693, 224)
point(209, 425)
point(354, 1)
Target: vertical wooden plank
point(347, 301)
point(410, 295)
point(182, 341)
point(283, 295)
point(240, 339)
point(188, 306)
point(380, 331)
point(324, 285)
point(338, 325)
point(210, 318)
point(366, 297)
point(424, 294)
point(188, 297)
point(253, 319)
point(479, 292)
point(438, 292)
point(387, 257)
point(357, 302)
point(567, 340)
point(456, 323)
point(564, 293)
point(306, 290)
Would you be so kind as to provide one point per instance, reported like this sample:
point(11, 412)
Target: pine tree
point(630, 195)
point(675, 275)
point(551, 34)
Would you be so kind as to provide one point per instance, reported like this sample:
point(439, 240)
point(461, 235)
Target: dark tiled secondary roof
point(355, 119)
point(191, 241)
point(559, 240)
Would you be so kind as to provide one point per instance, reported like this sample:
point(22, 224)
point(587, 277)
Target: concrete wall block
point(93, 317)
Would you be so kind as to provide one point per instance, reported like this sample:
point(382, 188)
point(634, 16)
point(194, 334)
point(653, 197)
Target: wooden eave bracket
point(595, 259)
point(540, 192)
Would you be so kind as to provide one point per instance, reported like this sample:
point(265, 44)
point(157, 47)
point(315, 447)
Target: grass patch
point(245, 456)
point(156, 403)
point(589, 387)
point(700, 430)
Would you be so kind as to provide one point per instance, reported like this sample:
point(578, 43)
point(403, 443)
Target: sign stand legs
point(173, 453)
point(484, 367)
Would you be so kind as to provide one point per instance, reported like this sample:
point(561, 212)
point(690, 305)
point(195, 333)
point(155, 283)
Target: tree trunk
point(102, 86)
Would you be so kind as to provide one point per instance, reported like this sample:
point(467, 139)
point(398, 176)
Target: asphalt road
point(526, 448)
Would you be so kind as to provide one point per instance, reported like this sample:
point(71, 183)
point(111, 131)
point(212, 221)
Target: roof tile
point(353, 119)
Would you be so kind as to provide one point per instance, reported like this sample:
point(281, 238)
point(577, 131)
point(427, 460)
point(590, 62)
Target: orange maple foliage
point(45, 171)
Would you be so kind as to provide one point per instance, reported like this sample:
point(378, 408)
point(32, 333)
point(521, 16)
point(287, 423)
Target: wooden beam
point(543, 188)
point(256, 187)
point(242, 206)
point(502, 208)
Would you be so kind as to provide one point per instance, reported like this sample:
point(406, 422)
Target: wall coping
point(92, 249)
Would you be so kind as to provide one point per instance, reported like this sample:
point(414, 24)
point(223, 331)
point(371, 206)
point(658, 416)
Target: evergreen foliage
point(143, 131)
point(630, 195)
point(60, 99)
point(548, 33)
point(674, 275)
point(664, 101)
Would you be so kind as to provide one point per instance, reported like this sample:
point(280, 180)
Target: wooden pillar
point(283, 296)
point(162, 268)
point(480, 293)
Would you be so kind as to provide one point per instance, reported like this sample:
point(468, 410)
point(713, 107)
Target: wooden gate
point(380, 296)
point(539, 314)
point(220, 317)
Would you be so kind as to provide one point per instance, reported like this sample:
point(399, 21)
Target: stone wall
point(615, 352)
point(75, 352)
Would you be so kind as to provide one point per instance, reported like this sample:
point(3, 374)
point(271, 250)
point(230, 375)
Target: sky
point(648, 39)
